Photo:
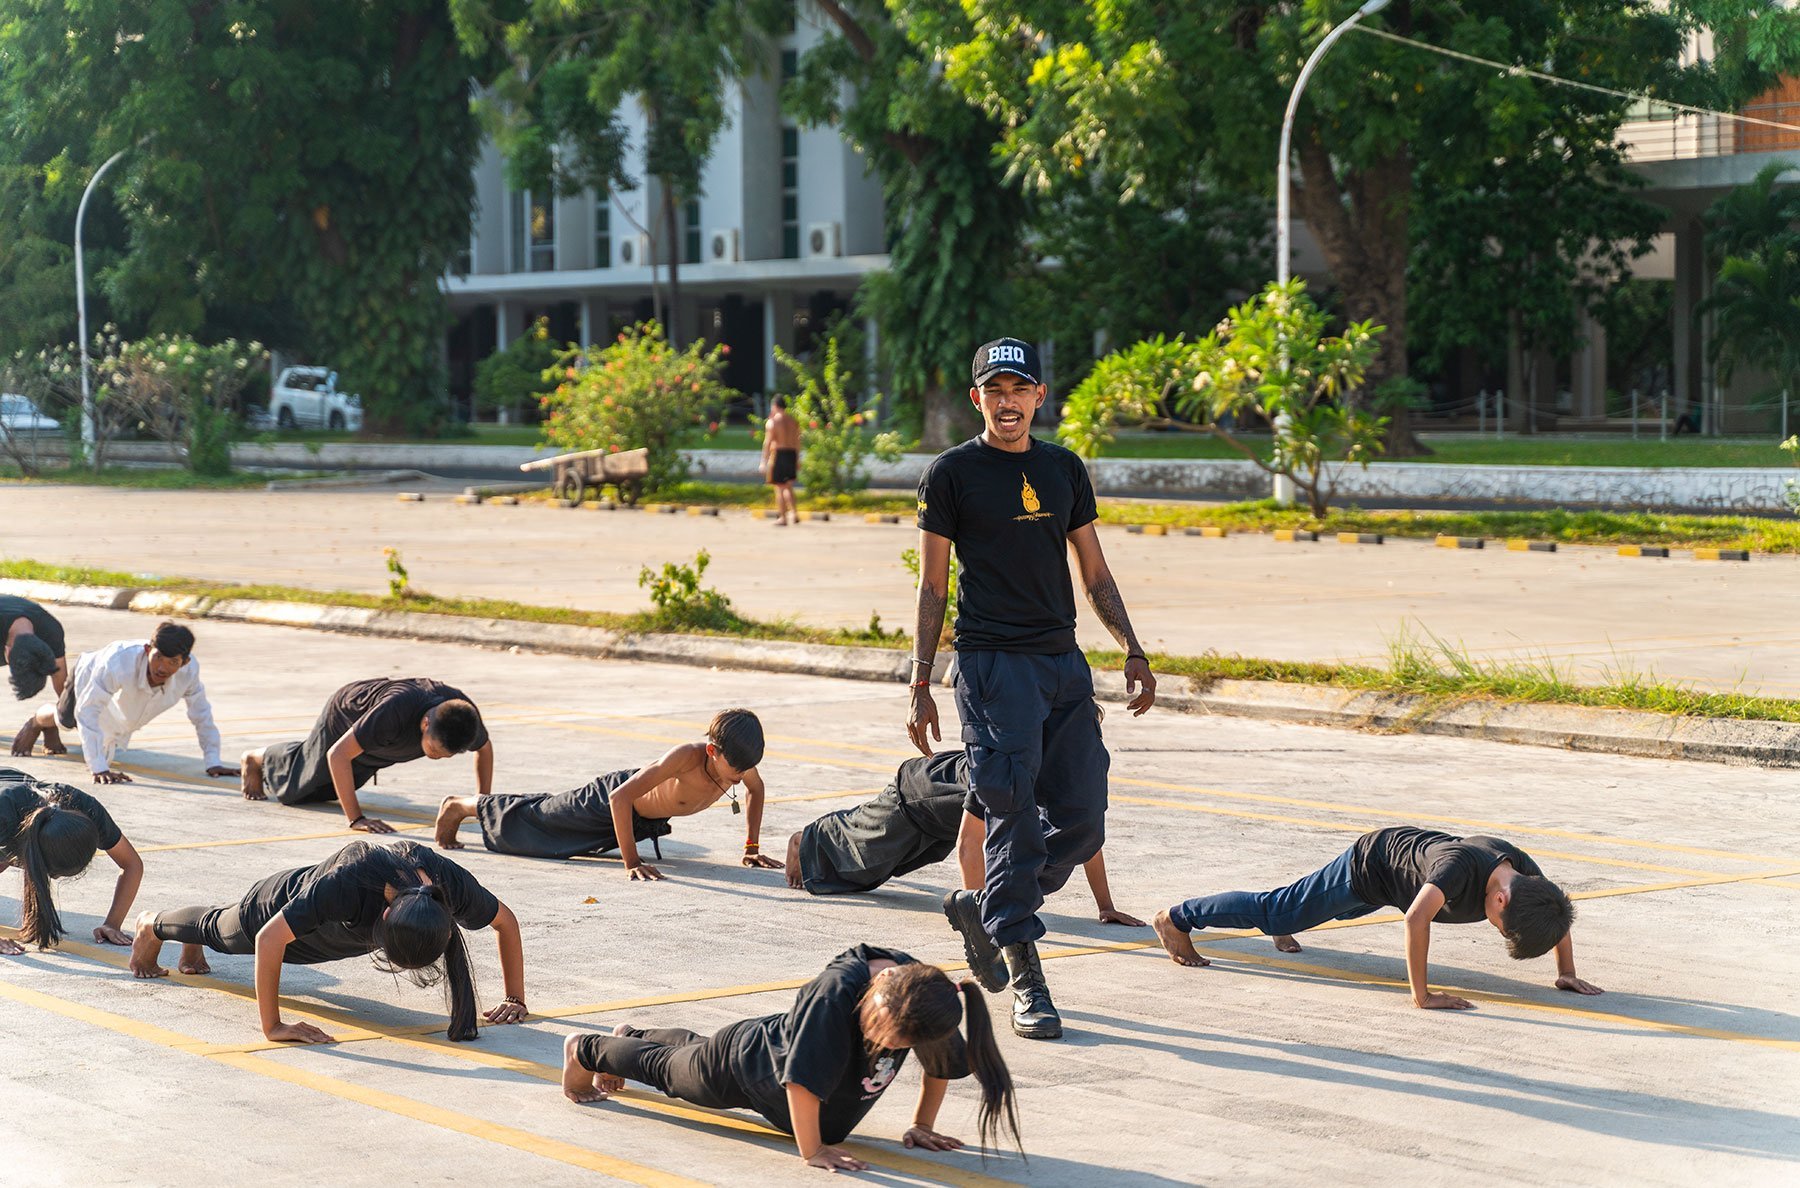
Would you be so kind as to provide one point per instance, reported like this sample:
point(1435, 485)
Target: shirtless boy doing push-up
point(622, 808)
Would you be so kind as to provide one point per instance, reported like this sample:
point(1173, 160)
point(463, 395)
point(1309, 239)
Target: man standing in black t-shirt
point(1013, 507)
point(366, 726)
point(1434, 877)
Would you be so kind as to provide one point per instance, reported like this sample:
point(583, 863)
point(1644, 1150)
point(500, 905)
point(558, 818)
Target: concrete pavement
point(1264, 1069)
point(1589, 611)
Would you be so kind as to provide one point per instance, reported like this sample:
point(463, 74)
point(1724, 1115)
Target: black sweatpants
point(1038, 766)
point(682, 1064)
point(563, 824)
point(300, 772)
point(220, 929)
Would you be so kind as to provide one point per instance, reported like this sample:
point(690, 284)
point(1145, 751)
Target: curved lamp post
point(87, 397)
point(1283, 489)
point(1283, 238)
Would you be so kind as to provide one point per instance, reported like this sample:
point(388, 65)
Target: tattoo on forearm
point(1109, 605)
point(929, 624)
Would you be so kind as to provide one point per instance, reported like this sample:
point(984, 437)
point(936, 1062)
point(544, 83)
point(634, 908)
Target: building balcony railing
point(1666, 135)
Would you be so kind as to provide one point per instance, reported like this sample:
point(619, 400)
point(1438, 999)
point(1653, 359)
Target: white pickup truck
point(308, 398)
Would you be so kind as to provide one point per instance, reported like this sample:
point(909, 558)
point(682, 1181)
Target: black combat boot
point(1034, 1015)
point(964, 911)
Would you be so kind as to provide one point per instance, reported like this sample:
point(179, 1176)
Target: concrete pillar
point(587, 322)
point(1690, 289)
point(775, 312)
point(1589, 369)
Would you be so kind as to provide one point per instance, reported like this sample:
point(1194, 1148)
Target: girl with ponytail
point(817, 1070)
point(403, 903)
point(52, 831)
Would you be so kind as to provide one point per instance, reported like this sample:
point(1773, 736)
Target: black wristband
point(1130, 656)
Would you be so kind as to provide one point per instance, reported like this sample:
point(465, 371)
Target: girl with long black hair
point(52, 831)
point(402, 902)
point(817, 1070)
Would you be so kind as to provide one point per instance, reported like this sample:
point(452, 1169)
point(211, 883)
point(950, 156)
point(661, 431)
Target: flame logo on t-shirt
point(1028, 497)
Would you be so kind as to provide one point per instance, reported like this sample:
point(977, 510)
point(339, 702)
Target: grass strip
point(143, 478)
point(1430, 668)
point(725, 623)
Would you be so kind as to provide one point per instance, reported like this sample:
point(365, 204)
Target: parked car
point(20, 418)
point(309, 398)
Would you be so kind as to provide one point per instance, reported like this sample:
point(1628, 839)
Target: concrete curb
point(1573, 728)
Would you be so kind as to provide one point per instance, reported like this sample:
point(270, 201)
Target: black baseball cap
point(1005, 354)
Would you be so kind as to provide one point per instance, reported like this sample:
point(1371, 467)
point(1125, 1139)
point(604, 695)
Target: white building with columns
point(787, 223)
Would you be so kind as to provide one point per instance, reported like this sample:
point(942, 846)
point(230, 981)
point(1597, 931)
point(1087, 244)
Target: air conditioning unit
point(824, 239)
point(722, 246)
point(634, 251)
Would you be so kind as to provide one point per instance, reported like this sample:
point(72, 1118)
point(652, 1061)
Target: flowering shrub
point(170, 387)
point(637, 391)
point(834, 437)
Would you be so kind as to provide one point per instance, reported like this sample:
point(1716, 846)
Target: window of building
point(1649, 109)
point(690, 238)
point(603, 231)
point(790, 64)
point(533, 232)
point(790, 193)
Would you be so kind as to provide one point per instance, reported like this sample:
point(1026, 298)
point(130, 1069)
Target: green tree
point(956, 227)
point(1756, 296)
point(1271, 361)
point(1115, 272)
point(512, 380)
point(318, 152)
point(835, 434)
point(574, 63)
point(1147, 97)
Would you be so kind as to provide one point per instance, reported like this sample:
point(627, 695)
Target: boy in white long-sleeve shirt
point(115, 692)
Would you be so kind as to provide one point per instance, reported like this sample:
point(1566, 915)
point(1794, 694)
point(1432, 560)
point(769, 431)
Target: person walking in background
point(781, 458)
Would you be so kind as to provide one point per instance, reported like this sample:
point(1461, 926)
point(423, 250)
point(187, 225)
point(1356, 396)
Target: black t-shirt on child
point(1010, 516)
point(333, 907)
point(22, 794)
point(1389, 866)
point(43, 623)
point(819, 1046)
point(385, 715)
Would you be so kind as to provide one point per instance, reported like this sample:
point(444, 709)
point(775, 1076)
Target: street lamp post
point(88, 428)
point(1283, 492)
point(1283, 238)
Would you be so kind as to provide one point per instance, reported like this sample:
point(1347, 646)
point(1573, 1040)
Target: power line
point(1526, 71)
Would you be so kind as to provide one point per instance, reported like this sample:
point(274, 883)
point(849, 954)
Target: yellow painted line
point(119, 958)
point(404, 1107)
point(262, 841)
point(493, 1132)
point(1782, 883)
point(398, 812)
point(244, 1056)
point(632, 1004)
point(1585, 1014)
point(739, 1123)
point(1353, 827)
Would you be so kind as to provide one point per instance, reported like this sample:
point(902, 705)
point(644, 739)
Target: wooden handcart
point(574, 474)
